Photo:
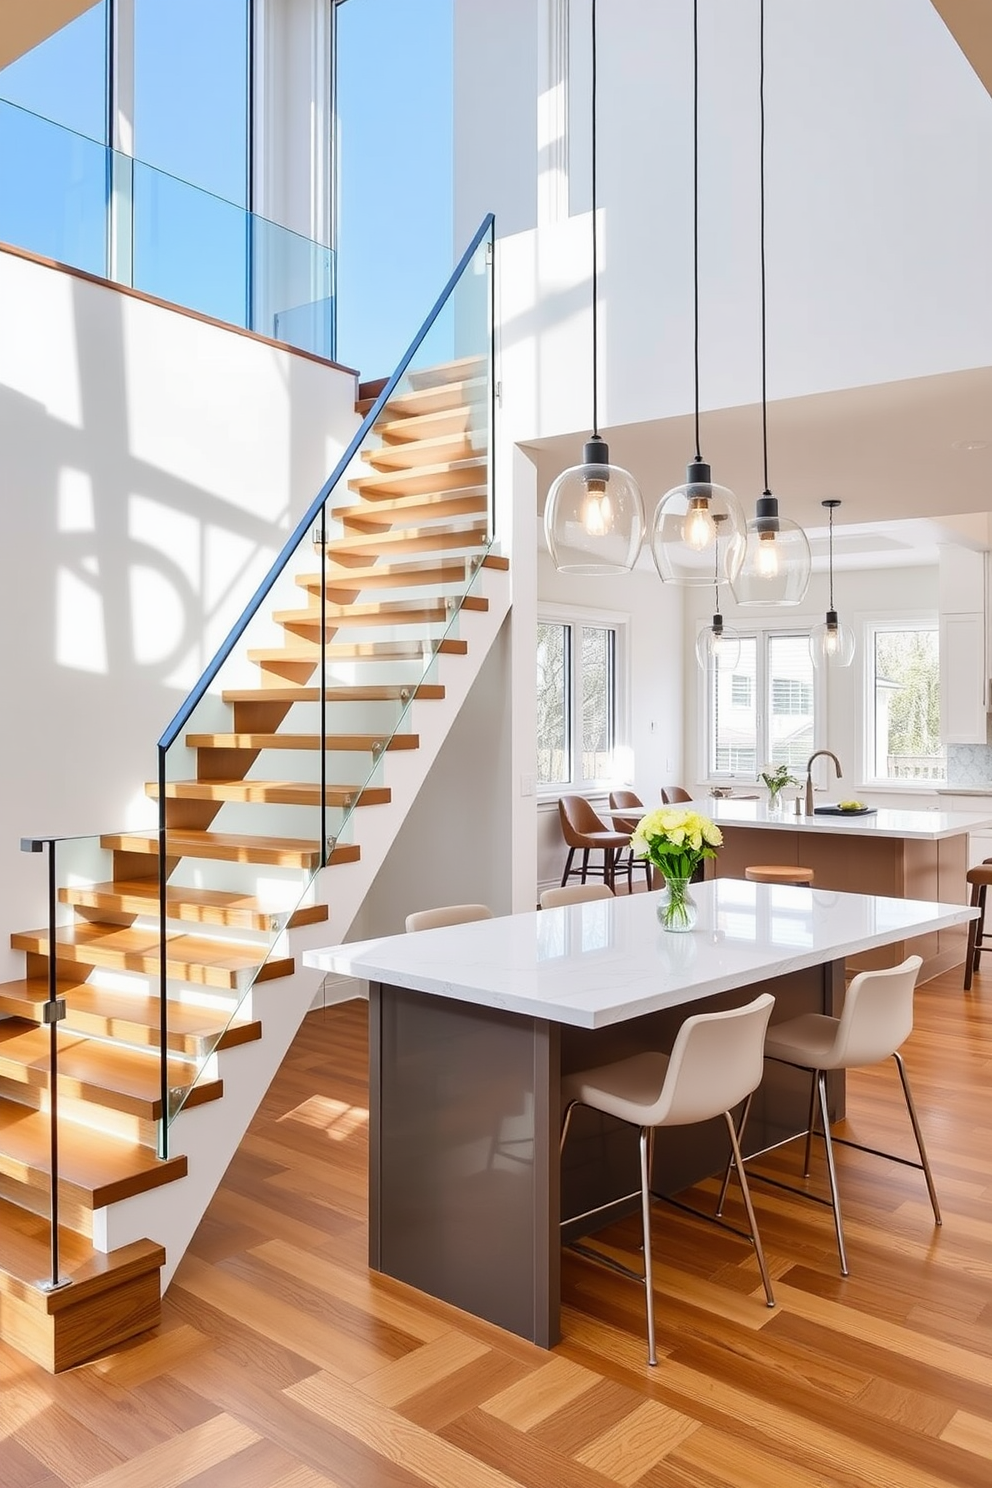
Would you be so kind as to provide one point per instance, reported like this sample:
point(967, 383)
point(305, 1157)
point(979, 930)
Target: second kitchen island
point(905, 854)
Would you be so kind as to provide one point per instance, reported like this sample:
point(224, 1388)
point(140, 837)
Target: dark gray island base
point(464, 1118)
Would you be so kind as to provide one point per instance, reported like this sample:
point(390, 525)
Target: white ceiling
point(910, 461)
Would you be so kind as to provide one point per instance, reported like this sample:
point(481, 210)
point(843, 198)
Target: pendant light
point(831, 644)
point(697, 520)
point(777, 560)
point(716, 646)
point(594, 514)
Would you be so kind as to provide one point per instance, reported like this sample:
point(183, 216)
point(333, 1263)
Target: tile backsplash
point(969, 764)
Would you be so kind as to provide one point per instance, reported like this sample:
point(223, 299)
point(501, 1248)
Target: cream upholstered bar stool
point(574, 894)
point(778, 873)
point(447, 914)
point(877, 1019)
point(716, 1063)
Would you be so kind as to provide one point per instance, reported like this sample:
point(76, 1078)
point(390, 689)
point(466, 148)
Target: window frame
point(619, 623)
point(799, 626)
point(870, 623)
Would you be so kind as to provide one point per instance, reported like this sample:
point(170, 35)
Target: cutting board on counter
point(840, 811)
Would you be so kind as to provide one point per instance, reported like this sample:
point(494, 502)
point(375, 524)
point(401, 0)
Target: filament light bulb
point(597, 510)
point(767, 556)
point(699, 528)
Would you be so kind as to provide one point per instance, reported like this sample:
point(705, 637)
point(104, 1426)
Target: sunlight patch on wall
point(75, 510)
point(157, 623)
point(80, 637)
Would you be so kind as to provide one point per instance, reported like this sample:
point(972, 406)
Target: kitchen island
point(471, 1027)
point(909, 854)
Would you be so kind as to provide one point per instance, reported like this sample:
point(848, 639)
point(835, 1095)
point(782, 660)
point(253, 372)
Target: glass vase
point(677, 909)
point(775, 801)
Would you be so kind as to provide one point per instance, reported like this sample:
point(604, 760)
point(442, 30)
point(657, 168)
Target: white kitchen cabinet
point(963, 672)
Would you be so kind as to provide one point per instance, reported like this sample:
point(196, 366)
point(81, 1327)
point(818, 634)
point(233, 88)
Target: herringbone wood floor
point(282, 1363)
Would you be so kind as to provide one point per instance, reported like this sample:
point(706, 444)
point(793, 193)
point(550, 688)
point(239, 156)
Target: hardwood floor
point(282, 1363)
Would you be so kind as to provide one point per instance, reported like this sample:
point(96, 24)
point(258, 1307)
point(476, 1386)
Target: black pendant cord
point(830, 542)
point(595, 267)
point(695, 218)
point(761, 199)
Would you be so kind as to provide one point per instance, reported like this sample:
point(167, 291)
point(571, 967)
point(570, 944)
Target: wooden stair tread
point(442, 374)
point(343, 743)
point(458, 501)
point(286, 852)
point(272, 792)
point(95, 1167)
point(366, 692)
point(204, 906)
point(213, 963)
point(111, 1074)
point(437, 477)
point(467, 535)
point(415, 573)
point(309, 651)
point(134, 1017)
point(435, 399)
point(390, 612)
point(461, 419)
point(433, 448)
point(25, 1258)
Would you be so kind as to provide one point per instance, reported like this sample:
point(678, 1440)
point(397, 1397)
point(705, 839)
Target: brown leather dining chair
point(619, 800)
point(585, 832)
point(673, 795)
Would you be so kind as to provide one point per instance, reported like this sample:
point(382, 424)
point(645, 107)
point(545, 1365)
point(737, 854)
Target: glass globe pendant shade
point(698, 528)
point(831, 644)
point(716, 646)
point(594, 515)
point(777, 559)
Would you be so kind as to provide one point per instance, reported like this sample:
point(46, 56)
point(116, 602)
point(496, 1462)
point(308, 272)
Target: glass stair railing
point(166, 939)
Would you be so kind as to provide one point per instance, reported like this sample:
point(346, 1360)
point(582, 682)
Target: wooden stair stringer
point(209, 1134)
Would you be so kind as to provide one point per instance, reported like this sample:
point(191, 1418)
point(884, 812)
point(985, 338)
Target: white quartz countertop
point(881, 823)
point(607, 960)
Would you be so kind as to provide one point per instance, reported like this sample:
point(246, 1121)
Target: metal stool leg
point(752, 1222)
point(821, 1083)
point(645, 1145)
point(917, 1133)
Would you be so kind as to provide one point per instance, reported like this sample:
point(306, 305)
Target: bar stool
point(579, 893)
point(778, 873)
point(621, 800)
point(877, 1019)
point(584, 832)
point(979, 877)
point(715, 1063)
point(447, 914)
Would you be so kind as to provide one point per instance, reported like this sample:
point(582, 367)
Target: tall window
point(579, 701)
point(763, 711)
point(903, 713)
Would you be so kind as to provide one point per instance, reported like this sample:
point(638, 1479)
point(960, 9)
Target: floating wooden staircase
point(405, 543)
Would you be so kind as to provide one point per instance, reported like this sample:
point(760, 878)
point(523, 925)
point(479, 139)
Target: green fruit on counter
point(851, 805)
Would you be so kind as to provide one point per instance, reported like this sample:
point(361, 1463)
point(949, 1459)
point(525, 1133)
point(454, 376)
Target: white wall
point(656, 679)
point(152, 467)
point(858, 596)
point(877, 231)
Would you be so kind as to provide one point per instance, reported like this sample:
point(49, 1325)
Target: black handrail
point(292, 542)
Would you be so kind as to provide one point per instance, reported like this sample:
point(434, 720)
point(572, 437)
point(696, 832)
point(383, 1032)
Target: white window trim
point(618, 621)
point(787, 625)
point(867, 622)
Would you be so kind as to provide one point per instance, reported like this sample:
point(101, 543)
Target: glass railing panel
point(189, 247)
point(283, 744)
point(66, 197)
point(53, 190)
point(292, 288)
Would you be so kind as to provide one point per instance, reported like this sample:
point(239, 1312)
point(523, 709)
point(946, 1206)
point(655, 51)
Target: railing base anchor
point(48, 1285)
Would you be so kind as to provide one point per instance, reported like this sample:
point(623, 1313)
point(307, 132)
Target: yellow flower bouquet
point(676, 842)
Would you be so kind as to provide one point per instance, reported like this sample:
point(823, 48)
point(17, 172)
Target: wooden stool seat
point(979, 877)
point(778, 873)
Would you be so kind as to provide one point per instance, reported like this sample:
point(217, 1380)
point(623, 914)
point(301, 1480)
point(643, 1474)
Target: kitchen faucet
point(809, 775)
